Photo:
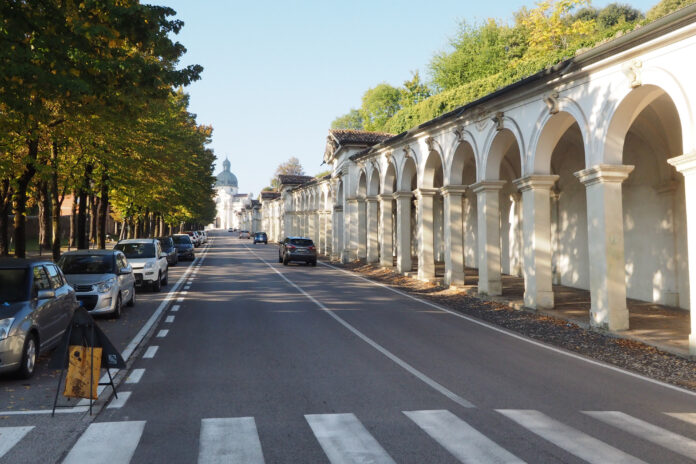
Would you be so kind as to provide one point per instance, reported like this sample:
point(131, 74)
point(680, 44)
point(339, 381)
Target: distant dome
point(226, 178)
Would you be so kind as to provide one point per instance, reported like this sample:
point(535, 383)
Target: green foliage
point(666, 7)
point(352, 120)
point(615, 13)
point(413, 91)
point(322, 174)
point(378, 105)
point(291, 167)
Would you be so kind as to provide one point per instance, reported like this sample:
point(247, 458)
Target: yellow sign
point(77, 381)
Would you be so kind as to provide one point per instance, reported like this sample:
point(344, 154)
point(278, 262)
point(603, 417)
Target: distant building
point(228, 202)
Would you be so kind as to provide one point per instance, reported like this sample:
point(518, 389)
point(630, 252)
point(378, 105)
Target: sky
point(276, 73)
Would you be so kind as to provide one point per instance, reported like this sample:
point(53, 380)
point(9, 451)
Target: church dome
point(226, 178)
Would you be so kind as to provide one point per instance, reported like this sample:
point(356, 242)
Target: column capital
point(535, 182)
point(488, 185)
point(373, 199)
point(453, 190)
point(604, 173)
point(426, 192)
point(401, 195)
point(338, 208)
point(386, 196)
point(686, 164)
point(352, 201)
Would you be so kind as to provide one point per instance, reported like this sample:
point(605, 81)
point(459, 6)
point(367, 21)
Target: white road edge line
point(403, 364)
point(517, 336)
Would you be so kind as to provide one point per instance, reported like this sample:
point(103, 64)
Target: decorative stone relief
point(407, 152)
point(633, 70)
point(481, 118)
point(459, 133)
point(498, 120)
point(388, 156)
point(551, 101)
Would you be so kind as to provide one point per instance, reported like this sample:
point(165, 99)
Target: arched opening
point(387, 218)
point(361, 216)
point(373, 215)
point(653, 198)
point(463, 172)
point(431, 252)
point(407, 240)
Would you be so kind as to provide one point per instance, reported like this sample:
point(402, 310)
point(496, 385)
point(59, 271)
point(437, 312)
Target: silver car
point(36, 306)
point(103, 280)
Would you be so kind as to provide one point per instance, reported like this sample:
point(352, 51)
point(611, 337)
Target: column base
point(692, 345)
point(616, 319)
point(542, 300)
point(455, 279)
point(494, 288)
point(425, 275)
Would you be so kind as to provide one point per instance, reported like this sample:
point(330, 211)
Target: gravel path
point(628, 354)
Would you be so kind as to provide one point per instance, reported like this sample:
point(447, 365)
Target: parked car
point(297, 249)
point(103, 280)
point(169, 250)
point(204, 236)
point(260, 237)
point(149, 263)
point(230, 229)
point(36, 307)
point(184, 246)
point(244, 234)
point(195, 238)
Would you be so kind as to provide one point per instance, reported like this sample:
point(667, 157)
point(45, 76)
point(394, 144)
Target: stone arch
point(433, 170)
point(361, 191)
point(408, 175)
point(373, 183)
point(463, 165)
point(498, 141)
point(389, 179)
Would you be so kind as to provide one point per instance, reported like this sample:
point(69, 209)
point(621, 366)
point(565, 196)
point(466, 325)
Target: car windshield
point(86, 264)
point(166, 242)
point(305, 242)
point(181, 240)
point(136, 250)
point(13, 286)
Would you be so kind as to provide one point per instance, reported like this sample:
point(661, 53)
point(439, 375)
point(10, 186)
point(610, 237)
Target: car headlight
point(105, 287)
point(149, 265)
point(5, 325)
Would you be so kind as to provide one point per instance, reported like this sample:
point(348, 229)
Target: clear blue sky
point(278, 72)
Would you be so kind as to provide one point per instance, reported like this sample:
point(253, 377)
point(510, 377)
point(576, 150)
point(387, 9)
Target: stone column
point(426, 242)
point(403, 231)
point(350, 230)
point(536, 231)
point(372, 229)
point(320, 232)
point(311, 225)
point(488, 206)
point(337, 235)
point(328, 246)
point(606, 244)
point(686, 164)
point(361, 233)
point(454, 235)
point(386, 254)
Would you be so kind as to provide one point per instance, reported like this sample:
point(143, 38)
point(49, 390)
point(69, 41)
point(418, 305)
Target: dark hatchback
point(184, 246)
point(168, 248)
point(36, 306)
point(260, 237)
point(297, 249)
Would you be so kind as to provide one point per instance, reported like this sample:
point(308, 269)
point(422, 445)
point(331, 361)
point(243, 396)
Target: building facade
point(582, 175)
point(228, 202)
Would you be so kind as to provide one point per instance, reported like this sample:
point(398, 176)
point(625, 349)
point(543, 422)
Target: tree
point(552, 26)
point(413, 91)
point(615, 13)
point(291, 167)
point(666, 7)
point(351, 120)
point(378, 105)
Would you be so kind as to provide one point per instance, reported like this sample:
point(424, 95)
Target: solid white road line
point(509, 333)
point(403, 364)
point(459, 438)
point(689, 417)
point(187, 287)
point(652, 433)
point(169, 319)
point(150, 352)
point(175, 308)
point(229, 440)
point(117, 403)
point(10, 436)
point(112, 442)
point(183, 293)
point(162, 333)
point(567, 438)
point(135, 375)
point(180, 299)
point(345, 440)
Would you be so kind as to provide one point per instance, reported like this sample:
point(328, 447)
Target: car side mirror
point(124, 270)
point(45, 294)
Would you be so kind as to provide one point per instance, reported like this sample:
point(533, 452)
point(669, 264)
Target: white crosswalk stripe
point(568, 438)
point(652, 433)
point(112, 442)
point(345, 440)
point(229, 440)
point(462, 441)
point(689, 417)
point(10, 436)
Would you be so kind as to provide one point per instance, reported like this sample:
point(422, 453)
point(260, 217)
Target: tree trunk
point(103, 211)
point(82, 210)
point(93, 210)
point(73, 220)
point(44, 216)
point(5, 204)
point(19, 200)
point(56, 203)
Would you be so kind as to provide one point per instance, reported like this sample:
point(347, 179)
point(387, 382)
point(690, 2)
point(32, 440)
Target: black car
point(260, 237)
point(169, 249)
point(184, 246)
point(297, 249)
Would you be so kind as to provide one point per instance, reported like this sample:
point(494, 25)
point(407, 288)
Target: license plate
point(302, 250)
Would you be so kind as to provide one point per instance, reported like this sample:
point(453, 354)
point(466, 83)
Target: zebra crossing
point(344, 439)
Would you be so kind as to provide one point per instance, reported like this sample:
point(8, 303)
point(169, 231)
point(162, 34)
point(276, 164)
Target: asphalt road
point(295, 364)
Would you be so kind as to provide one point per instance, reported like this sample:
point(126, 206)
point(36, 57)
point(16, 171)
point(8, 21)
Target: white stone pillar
point(686, 164)
point(349, 230)
point(386, 246)
point(337, 242)
point(426, 242)
point(488, 206)
point(372, 229)
point(454, 235)
point(403, 231)
point(320, 232)
point(361, 233)
point(536, 241)
point(328, 233)
point(606, 244)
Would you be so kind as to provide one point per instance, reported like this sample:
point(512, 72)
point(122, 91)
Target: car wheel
point(314, 263)
point(285, 260)
point(117, 309)
point(157, 284)
point(131, 302)
point(29, 354)
point(280, 259)
point(166, 278)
